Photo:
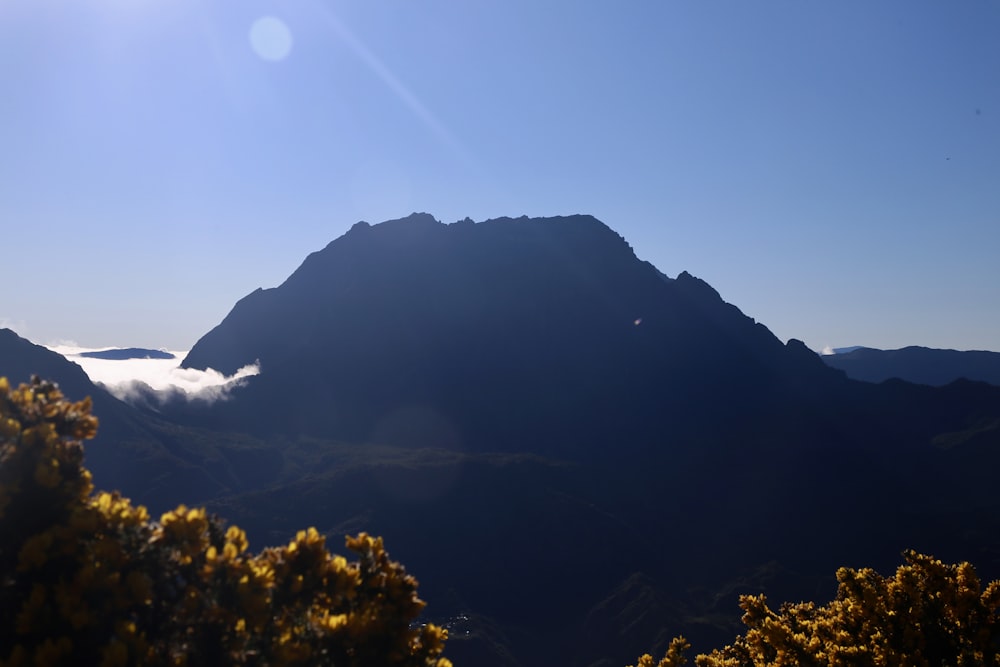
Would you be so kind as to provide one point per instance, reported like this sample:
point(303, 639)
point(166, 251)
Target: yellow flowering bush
point(88, 579)
point(928, 613)
point(673, 658)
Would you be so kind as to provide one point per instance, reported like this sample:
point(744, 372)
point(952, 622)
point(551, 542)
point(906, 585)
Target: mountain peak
point(415, 219)
point(506, 322)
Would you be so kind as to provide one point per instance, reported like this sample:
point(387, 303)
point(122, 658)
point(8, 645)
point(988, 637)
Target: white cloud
point(827, 351)
point(125, 378)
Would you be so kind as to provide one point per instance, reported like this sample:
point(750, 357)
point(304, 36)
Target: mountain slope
point(149, 460)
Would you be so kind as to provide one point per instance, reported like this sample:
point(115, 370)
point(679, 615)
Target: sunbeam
point(398, 88)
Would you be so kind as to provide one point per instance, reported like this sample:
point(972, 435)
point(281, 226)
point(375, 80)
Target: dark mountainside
point(921, 365)
point(120, 354)
point(595, 450)
point(577, 456)
point(151, 460)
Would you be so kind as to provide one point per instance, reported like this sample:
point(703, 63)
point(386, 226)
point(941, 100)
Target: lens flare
point(270, 38)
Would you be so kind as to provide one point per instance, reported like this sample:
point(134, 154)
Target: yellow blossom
point(335, 621)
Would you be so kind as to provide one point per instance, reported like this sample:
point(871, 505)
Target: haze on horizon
point(830, 168)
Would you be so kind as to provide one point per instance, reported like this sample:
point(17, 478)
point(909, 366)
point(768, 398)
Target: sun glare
point(270, 38)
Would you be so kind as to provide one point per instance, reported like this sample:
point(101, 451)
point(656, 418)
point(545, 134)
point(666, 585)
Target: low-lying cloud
point(132, 379)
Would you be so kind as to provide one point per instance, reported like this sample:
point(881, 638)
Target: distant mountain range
point(920, 365)
point(121, 354)
point(576, 455)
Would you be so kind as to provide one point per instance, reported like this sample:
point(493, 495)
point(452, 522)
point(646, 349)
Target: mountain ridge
point(918, 364)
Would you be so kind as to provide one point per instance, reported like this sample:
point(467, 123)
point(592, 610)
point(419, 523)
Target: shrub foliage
point(89, 578)
point(927, 614)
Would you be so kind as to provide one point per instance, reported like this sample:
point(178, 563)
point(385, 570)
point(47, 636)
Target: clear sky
point(831, 167)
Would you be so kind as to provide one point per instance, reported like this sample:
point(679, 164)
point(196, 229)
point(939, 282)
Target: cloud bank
point(130, 379)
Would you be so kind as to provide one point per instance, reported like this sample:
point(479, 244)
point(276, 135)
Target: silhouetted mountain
point(537, 416)
point(576, 455)
point(845, 350)
point(128, 353)
point(546, 335)
point(921, 365)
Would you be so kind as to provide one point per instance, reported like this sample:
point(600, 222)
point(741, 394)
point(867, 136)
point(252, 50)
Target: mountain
point(152, 461)
point(119, 354)
point(921, 365)
point(845, 350)
point(20, 359)
point(577, 455)
point(543, 335)
point(562, 442)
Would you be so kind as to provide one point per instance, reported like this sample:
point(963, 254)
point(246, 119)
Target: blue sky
point(832, 168)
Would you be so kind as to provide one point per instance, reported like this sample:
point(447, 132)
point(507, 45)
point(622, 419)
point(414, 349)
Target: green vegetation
point(88, 578)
